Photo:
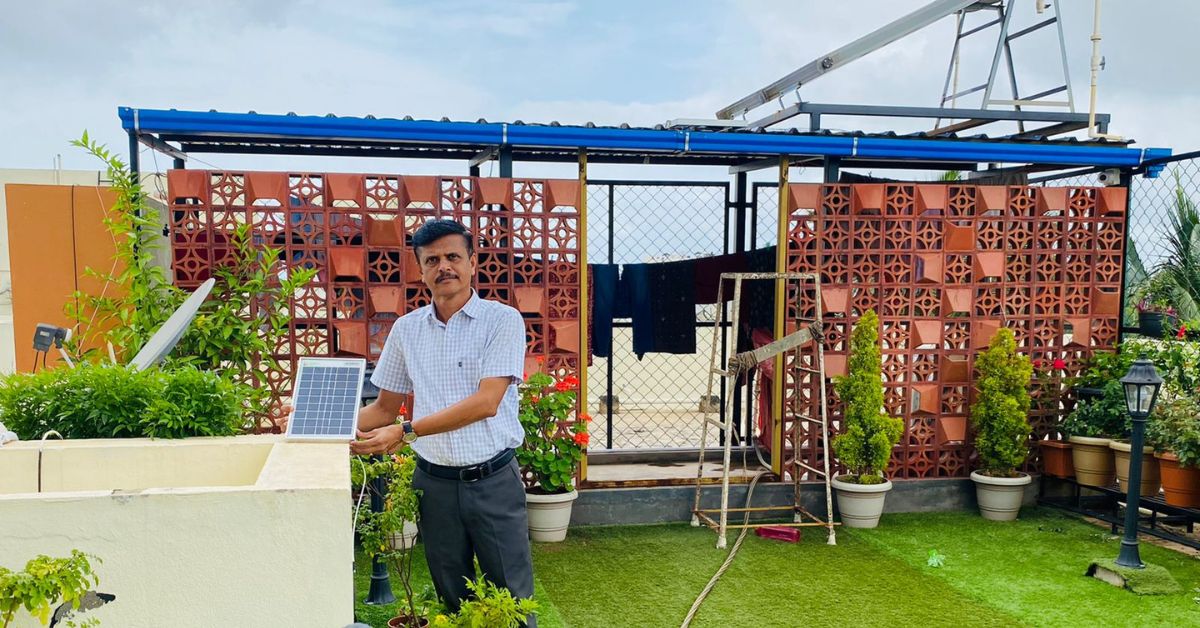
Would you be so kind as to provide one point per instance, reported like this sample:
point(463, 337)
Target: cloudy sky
point(67, 66)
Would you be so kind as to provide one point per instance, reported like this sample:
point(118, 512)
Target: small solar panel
point(326, 397)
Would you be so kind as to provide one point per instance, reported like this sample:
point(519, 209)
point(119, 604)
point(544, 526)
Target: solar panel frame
point(325, 386)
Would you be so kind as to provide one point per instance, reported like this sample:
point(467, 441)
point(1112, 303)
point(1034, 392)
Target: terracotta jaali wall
point(945, 267)
point(356, 229)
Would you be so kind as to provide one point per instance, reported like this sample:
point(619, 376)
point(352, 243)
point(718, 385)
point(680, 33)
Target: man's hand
point(382, 440)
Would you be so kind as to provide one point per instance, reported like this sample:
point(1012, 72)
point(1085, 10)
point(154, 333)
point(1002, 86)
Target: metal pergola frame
point(178, 133)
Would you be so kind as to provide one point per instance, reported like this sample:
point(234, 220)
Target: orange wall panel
point(54, 233)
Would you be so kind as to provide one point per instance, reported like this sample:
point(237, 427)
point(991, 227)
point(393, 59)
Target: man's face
point(445, 266)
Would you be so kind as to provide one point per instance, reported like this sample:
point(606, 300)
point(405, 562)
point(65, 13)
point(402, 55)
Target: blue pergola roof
point(220, 132)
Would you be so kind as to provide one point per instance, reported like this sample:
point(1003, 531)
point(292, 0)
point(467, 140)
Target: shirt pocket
point(470, 369)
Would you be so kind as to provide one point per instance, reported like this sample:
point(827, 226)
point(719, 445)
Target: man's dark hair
point(436, 230)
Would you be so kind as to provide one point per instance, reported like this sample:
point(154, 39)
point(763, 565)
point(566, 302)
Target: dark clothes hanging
point(673, 307)
point(604, 301)
point(758, 296)
point(708, 276)
point(635, 286)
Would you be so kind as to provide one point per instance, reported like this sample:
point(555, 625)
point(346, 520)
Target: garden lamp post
point(1141, 391)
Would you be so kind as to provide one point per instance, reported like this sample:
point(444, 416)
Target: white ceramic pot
point(549, 515)
point(1000, 498)
point(860, 504)
point(406, 538)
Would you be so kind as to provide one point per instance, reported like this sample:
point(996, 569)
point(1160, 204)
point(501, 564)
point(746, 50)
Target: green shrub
point(1175, 427)
point(1000, 413)
point(43, 582)
point(870, 434)
point(113, 401)
point(1103, 418)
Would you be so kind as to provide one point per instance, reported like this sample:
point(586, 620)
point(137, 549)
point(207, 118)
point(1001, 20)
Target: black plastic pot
point(1088, 393)
point(1150, 324)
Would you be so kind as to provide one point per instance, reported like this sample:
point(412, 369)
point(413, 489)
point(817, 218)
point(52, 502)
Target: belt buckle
point(471, 474)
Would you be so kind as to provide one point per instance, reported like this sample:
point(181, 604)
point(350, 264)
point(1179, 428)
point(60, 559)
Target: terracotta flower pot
point(1057, 460)
point(1150, 479)
point(1093, 460)
point(404, 621)
point(1181, 485)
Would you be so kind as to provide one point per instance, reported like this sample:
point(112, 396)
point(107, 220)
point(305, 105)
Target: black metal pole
point(506, 160)
point(608, 363)
point(1133, 496)
point(134, 162)
point(381, 585)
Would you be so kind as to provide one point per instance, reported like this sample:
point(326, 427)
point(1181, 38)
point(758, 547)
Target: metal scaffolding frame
point(740, 363)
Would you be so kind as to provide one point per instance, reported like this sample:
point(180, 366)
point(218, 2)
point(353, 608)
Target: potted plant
point(1174, 431)
point(865, 446)
point(1090, 427)
point(1155, 305)
point(489, 605)
point(1056, 453)
point(551, 453)
point(1100, 368)
point(382, 534)
point(1000, 419)
point(44, 582)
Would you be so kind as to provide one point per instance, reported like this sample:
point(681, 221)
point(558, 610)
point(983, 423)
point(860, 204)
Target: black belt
point(471, 473)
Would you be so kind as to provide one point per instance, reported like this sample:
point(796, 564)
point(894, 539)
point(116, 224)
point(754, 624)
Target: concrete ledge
point(631, 506)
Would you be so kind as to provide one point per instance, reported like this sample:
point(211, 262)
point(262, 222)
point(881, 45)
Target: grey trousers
point(485, 520)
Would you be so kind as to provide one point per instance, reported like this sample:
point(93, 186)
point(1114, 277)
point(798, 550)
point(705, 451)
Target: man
point(461, 357)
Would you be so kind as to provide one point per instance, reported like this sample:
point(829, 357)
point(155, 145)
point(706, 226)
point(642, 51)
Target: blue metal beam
point(749, 144)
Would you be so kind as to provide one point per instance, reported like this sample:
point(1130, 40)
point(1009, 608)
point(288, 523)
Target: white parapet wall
point(242, 531)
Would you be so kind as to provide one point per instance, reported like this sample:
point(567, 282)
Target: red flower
point(535, 398)
point(585, 417)
point(562, 386)
point(541, 359)
point(1060, 363)
point(1037, 364)
point(582, 438)
point(571, 381)
point(1182, 333)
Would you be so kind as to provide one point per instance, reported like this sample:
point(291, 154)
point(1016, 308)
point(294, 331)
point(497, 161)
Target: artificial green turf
point(1149, 579)
point(649, 576)
point(1024, 573)
point(1034, 568)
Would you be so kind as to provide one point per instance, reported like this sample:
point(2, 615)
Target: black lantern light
point(1142, 384)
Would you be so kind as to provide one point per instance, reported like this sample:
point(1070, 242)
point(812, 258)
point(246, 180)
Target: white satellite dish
point(167, 336)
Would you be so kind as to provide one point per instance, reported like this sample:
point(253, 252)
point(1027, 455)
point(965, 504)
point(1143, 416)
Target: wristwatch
point(409, 435)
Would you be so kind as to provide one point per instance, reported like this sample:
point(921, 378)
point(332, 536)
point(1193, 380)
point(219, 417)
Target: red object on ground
point(779, 533)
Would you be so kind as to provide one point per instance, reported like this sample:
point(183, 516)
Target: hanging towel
point(673, 306)
point(604, 301)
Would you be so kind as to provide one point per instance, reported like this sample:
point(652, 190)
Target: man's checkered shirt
point(442, 363)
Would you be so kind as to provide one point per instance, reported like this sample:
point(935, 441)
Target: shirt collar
point(470, 308)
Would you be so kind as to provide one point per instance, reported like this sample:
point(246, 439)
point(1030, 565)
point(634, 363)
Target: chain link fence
point(1163, 236)
point(655, 400)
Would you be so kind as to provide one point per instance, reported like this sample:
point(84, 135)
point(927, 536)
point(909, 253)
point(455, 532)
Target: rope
point(728, 559)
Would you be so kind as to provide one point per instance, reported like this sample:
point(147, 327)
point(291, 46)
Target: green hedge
point(112, 401)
